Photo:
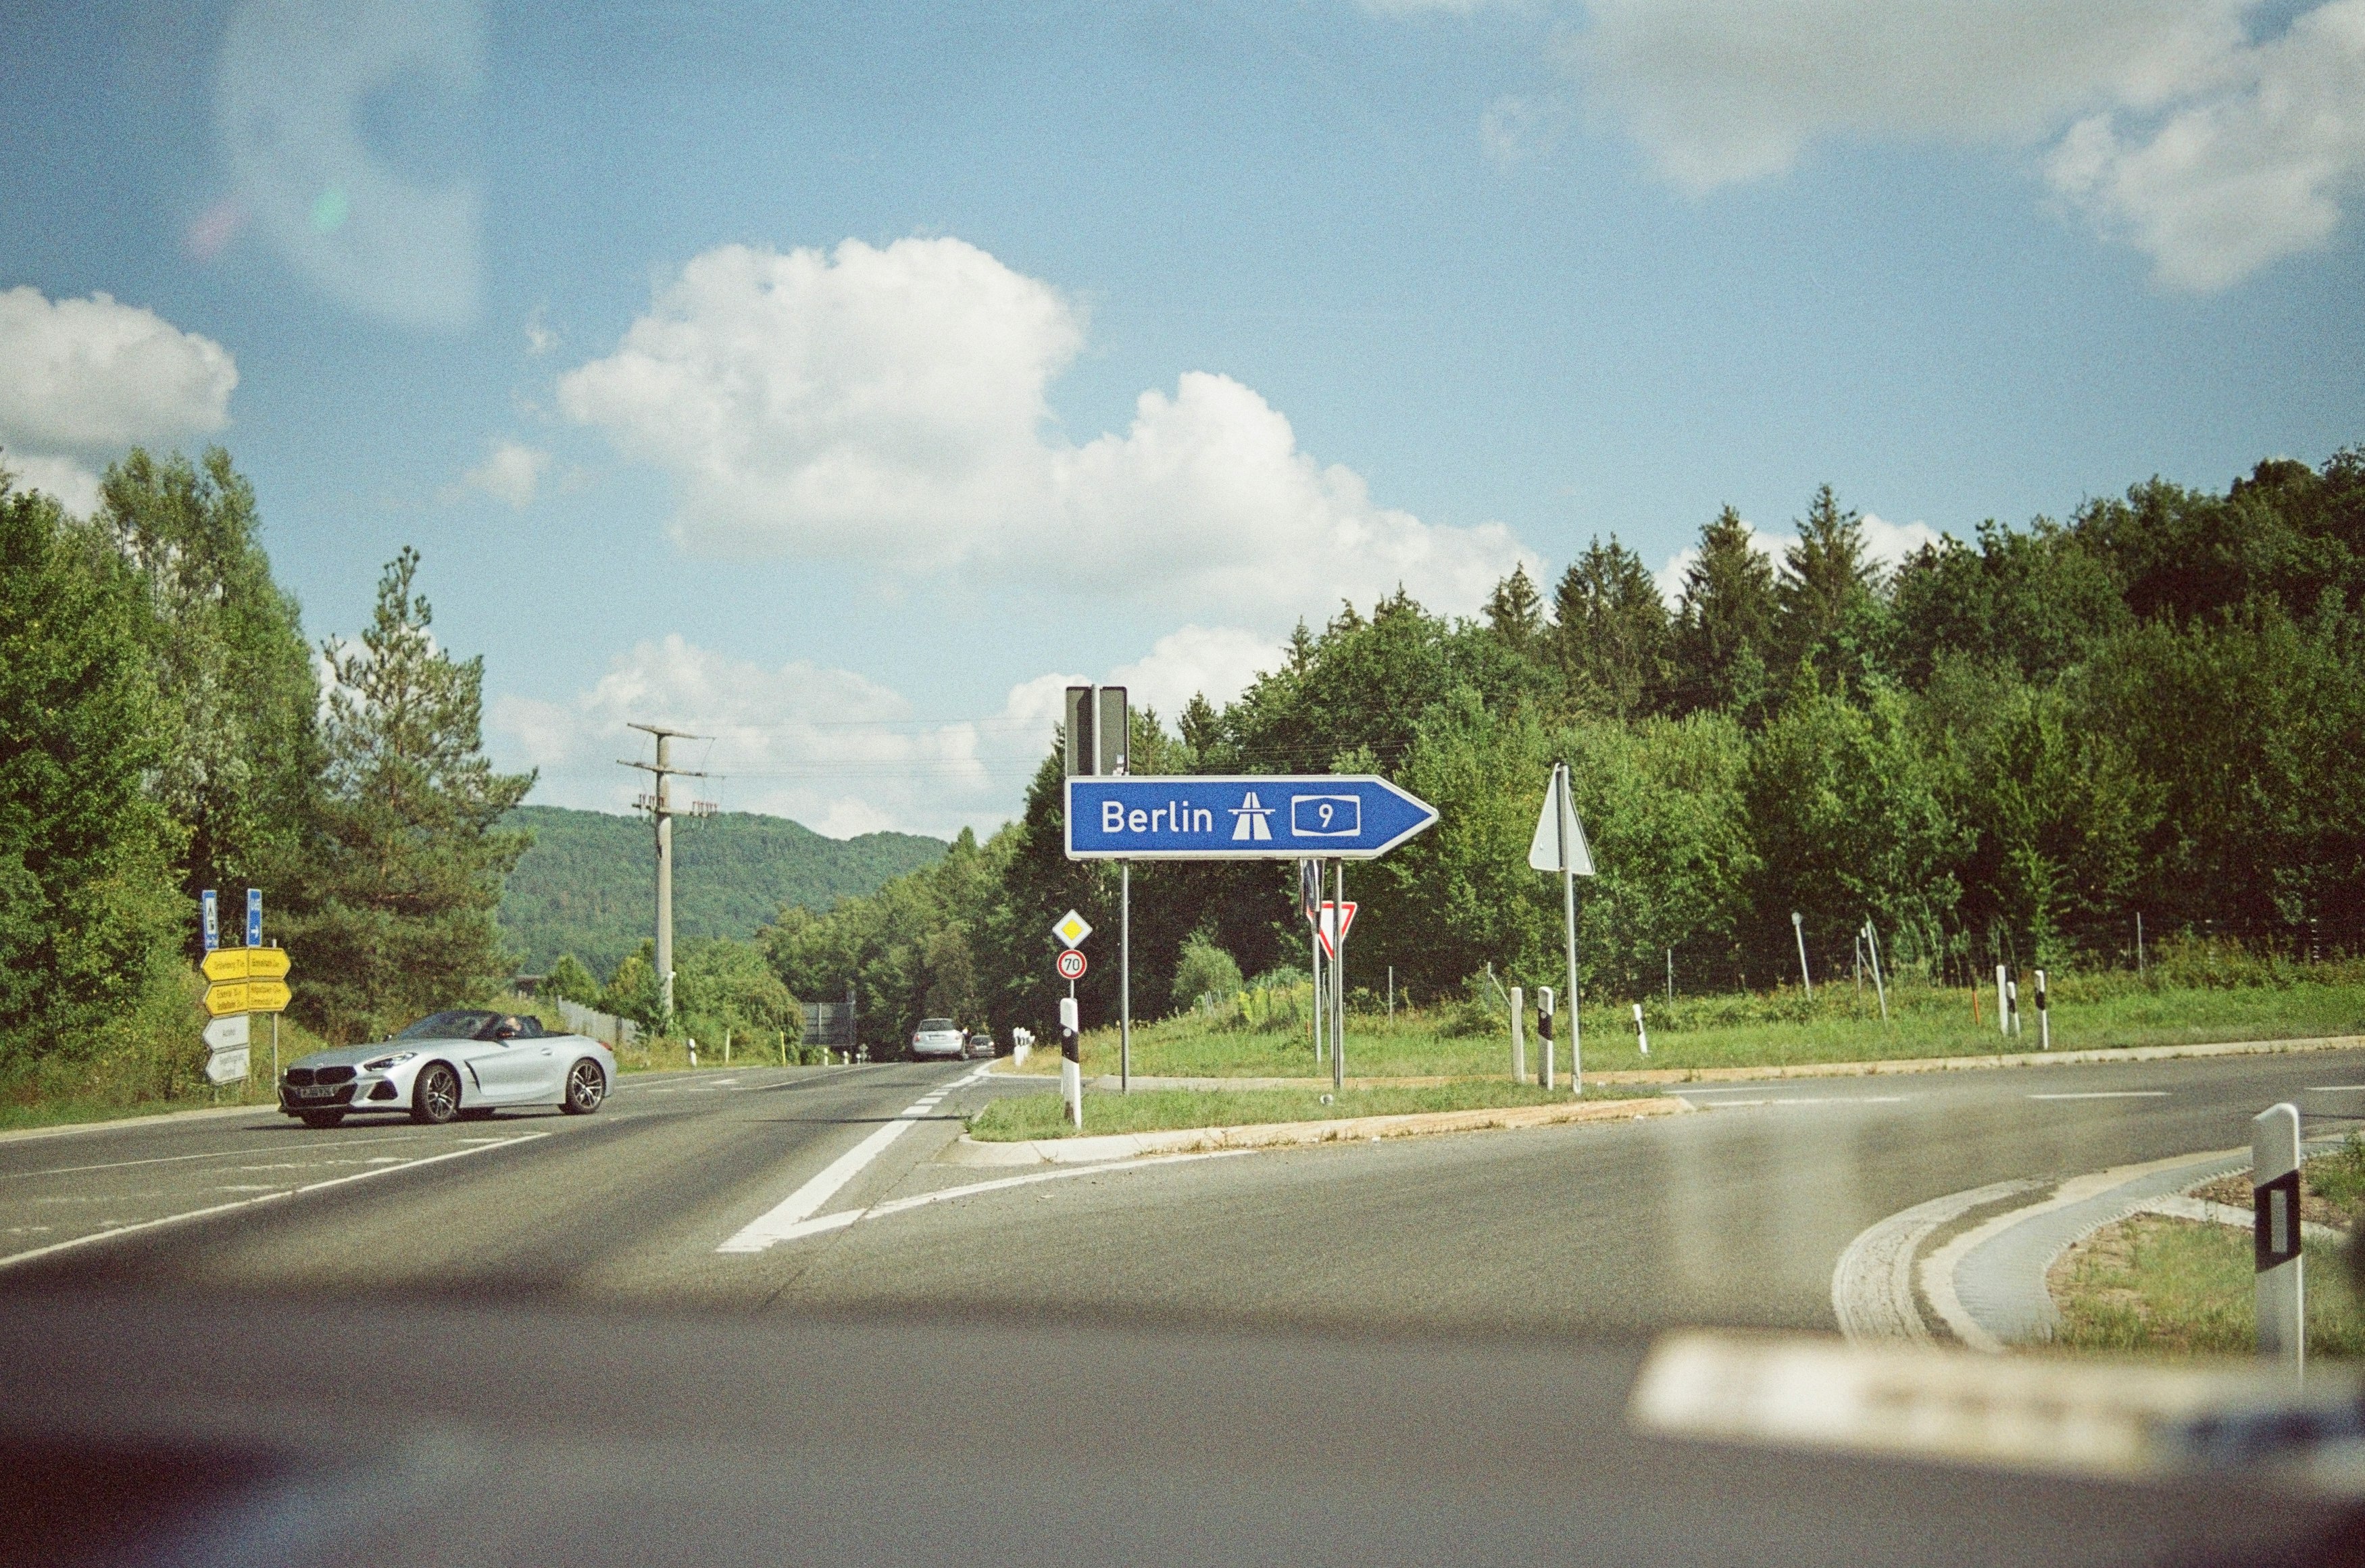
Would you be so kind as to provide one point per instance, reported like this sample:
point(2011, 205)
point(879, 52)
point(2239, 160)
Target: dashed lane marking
point(2108, 1094)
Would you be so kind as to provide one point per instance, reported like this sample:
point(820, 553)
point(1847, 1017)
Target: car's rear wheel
point(587, 1087)
point(322, 1118)
point(435, 1099)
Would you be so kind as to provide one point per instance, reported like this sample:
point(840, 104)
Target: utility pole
point(660, 805)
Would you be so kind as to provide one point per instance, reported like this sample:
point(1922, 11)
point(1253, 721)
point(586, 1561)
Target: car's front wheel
point(435, 1099)
point(587, 1086)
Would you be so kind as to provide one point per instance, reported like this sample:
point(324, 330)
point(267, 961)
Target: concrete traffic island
point(1289, 1134)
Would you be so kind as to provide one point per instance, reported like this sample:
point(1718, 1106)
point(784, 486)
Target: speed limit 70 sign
point(1071, 965)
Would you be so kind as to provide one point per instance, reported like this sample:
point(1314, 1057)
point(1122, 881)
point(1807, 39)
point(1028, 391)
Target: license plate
point(315, 1093)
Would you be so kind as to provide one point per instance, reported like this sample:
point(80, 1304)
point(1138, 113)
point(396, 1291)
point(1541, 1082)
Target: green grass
point(2175, 1287)
point(1025, 1116)
point(1776, 1028)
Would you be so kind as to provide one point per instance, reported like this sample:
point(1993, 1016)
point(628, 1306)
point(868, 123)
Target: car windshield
point(460, 1024)
point(1477, 641)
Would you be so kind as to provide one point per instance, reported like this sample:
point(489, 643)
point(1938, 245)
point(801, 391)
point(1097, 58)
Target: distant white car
point(466, 1062)
point(939, 1037)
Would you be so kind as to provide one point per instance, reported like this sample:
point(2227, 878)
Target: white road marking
point(2108, 1094)
point(2334, 1089)
point(1810, 1100)
point(801, 1205)
point(25, 1257)
point(217, 1154)
point(845, 1218)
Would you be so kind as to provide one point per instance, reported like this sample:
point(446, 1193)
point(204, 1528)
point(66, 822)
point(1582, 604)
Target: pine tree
point(238, 690)
point(410, 858)
point(1610, 632)
point(1724, 624)
point(1516, 611)
point(1827, 591)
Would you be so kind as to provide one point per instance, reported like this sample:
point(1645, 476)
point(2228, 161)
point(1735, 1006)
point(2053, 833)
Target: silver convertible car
point(465, 1063)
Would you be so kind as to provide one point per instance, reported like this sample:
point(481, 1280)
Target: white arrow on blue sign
point(1250, 817)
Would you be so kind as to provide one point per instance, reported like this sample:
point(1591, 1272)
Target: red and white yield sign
point(1071, 964)
point(1338, 919)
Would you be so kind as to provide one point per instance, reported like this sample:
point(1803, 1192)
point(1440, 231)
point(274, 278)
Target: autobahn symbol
point(1243, 817)
point(1071, 964)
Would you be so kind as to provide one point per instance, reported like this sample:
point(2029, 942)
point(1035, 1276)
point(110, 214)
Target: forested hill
point(587, 885)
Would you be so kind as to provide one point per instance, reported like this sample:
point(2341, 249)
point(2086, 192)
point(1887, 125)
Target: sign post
point(1335, 817)
point(209, 908)
point(2275, 1190)
point(1559, 845)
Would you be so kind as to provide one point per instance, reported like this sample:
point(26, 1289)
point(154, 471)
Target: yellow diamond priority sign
point(1071, 929)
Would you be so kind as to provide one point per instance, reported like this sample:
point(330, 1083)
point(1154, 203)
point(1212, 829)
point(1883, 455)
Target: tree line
point(2005, 748)
point(167, 727)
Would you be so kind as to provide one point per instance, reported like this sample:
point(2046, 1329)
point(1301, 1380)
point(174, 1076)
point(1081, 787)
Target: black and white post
point(1518, 1036)
point(2044, 1016)
point(1799, 930)
point(2276, 1228)
point(1880, 987)
point(1545, 1031)
point(1071, 1066)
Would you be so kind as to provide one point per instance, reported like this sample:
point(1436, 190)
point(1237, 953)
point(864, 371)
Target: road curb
point(1284, 1134)
point(142, 1119)
point(1887, 1065)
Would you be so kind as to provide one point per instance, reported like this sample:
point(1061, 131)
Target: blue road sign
point(1251, 817)
point(211, 910)
point(254, 917)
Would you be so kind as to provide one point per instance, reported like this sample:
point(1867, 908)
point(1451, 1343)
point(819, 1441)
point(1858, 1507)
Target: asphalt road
point(531, 1338)
point(1733, 1216)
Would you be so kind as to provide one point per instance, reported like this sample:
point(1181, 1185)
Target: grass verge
point(1018, 1118)
point(2182, 1287)
point(2178, 1287)
point(1778, 1028)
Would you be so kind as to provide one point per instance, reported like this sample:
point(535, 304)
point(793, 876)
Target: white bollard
point(693, 1051)
point(1640, 1037)
point(1072, 1069)
point(2004, 1011)
point(1518, 1036)
point(1545, 1028)
point(2275, 1235)
point(2044, 1016)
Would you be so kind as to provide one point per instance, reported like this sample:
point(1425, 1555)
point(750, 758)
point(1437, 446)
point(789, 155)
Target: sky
point(839, 383)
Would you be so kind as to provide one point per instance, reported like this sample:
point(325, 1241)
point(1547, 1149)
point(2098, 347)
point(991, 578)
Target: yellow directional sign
point(246, 963)
point(226, 997)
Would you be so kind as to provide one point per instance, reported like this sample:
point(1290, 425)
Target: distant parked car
point(463, 1063)
point(980, 1044)
point(939, 1037)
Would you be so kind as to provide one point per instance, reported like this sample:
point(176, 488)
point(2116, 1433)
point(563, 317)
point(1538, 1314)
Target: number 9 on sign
point(1326, 816)
point(1071, 965)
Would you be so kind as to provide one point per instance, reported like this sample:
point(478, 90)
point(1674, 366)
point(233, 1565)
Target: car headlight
point(382, 1063)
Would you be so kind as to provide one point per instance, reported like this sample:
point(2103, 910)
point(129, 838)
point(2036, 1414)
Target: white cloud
point(1885, 541)
point(83, 379)
point(831, 748)
point(1218, 662)
point(510, 472)
point(891, 404)
point(292, 84)
point(828, 748)
point(2237, 177)
point(2163, 121)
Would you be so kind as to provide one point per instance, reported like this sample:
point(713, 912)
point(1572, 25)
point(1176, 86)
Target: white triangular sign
point(1334, 926)
point(1556, 826)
